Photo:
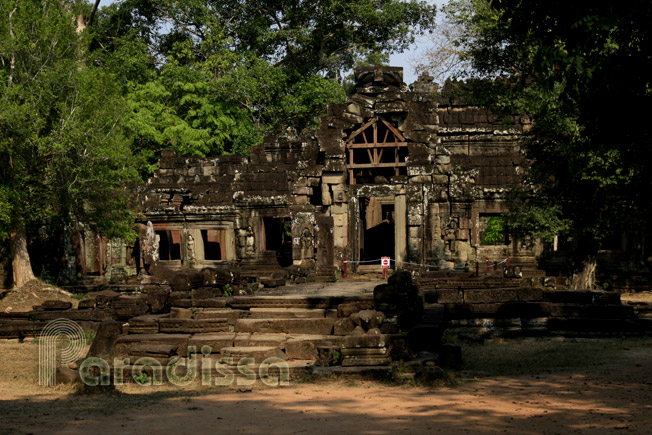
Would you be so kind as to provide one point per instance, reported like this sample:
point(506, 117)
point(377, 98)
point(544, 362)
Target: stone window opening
point(493, 230)
point(375, 152)
point(169, 247)
point(214, 244)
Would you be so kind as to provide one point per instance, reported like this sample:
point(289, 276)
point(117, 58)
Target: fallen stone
point(53, 304)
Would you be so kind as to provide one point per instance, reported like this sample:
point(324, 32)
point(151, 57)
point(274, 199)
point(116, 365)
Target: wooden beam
point(378, 145)
point(379, 165)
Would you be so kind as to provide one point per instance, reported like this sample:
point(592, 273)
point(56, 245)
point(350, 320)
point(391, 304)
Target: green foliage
point(89, 335)
point(142, 378)
point(228, 290)
point(206, 78)
point(494, 233)
point(581, 71)
point(63, 150)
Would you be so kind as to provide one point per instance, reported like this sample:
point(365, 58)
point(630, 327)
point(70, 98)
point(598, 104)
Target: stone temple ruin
point(394, 172)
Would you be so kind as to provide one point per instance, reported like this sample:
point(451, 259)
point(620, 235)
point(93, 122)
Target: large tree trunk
point(585, 278)
point(20, 257)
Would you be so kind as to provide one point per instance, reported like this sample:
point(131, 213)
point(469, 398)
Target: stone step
point(220, 313)
point(146, 324)
point(19, 328)
point(289, 313)
point(124, 343)
point(162, 352)
point(233, 355)
point(215, 342)
point(193, 325)
point(297, 326)
point(280, 373)
point(321, 302)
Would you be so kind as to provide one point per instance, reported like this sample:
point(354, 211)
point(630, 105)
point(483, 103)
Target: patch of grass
point(78, 296)
point(89, 334)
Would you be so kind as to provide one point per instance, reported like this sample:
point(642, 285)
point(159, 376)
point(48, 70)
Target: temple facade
point(393, 172)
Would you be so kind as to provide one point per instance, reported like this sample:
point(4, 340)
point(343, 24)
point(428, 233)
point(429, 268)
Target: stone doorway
point(377, 229)
point(278, 238)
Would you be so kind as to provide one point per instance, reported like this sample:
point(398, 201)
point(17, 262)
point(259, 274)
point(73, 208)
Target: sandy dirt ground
point(615, 396)
point(558, 388)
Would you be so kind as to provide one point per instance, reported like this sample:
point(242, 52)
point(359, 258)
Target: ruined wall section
point(481, 156)
point(232, 195)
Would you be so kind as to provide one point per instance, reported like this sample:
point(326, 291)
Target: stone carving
point(150, 247)
point(190, 246)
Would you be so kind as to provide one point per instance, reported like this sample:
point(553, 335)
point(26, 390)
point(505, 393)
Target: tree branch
point(12, 61)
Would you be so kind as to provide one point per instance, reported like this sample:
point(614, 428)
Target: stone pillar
point(325, 248)
point(400, 228)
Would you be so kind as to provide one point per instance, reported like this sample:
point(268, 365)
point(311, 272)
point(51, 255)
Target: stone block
point(301, 349)
point(365, 360)
point(296, 326)
point(86, 304)
point(215, 341)
point(258, 353)
point(348, 308)
point(216, 313)
point(276, 340)
point(529, 294)
point(193, 325)
point(53, 304)
point(147, 324)
point(440, 179)
point(490, 295)
point(343, 326)
point(124, 342)
point(126, 307)
point(357, 341)
point(448, 296)
point(333, 178)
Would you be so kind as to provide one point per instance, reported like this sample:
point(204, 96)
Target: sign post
point(384, 263)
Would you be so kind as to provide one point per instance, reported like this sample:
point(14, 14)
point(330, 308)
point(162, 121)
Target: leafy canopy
point(63, 150)
point(582, 71)
point(214, 77)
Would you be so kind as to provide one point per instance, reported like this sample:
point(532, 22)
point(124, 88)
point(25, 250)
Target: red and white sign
point(384, 262)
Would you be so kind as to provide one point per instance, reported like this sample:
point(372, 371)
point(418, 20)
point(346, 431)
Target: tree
point(235, 70)
point(583, 71)
point(64, 156)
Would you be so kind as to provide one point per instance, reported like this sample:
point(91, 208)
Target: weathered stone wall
point(444, 167)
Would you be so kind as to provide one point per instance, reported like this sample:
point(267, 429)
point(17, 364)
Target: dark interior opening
point(212, 244)
point(278, 238)
point(377, 237)
point(169, 245)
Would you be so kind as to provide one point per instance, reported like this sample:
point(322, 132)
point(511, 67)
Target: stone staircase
point(245, 334)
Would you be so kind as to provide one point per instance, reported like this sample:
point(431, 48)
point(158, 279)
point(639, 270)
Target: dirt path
point(613, 397)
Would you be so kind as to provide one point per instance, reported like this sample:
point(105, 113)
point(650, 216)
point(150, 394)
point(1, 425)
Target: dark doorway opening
point(278, 238)
point(377, 229)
